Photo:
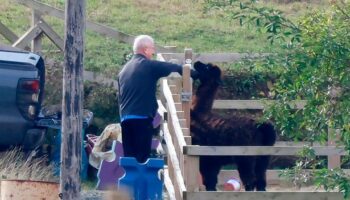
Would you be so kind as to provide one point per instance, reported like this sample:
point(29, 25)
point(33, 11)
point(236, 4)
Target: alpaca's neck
point(204, 98)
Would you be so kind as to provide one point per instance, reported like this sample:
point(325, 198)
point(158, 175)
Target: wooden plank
point(334, 160)
point(72, 100)
point(52, 35)
point(58, 13)
point(182, 166)
point(171, 172)
point(7, 33)
point(171, 48)
point(186, 133)
point(178, 83)
point(296, 144)
point(176, 98)
point(32, 33)
point(101, 29)
point(169, 185)
point(172, 113)
point(191, 173)
point(161, 110)
point(179, 185)
point(169, 160)
point(178, 106)
point(272, 176)
point(37, 41)
point(182, 123)
point(180, 114)
point(187, 87)
point(258, 150)
point(251, 104)
point(175, 141)
point(213, 57)
point(174, 124)
point(173, 79)
point(176, 80)
point(191, 170)
point(123, 37)
point(283, 195)
point(188, 140)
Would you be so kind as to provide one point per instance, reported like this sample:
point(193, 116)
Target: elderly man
point(137, 97)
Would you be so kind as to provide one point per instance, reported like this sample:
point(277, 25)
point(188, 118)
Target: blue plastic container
point(54, 122)
point(56, 156)
point(141, 180)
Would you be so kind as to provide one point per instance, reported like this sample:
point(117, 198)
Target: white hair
point(141, 41)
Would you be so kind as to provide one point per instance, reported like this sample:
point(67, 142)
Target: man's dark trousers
point(137, 138)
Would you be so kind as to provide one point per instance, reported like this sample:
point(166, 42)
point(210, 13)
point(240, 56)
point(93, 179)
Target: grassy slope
point(171, 22)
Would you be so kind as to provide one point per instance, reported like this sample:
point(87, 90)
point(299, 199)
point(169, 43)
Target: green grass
point(182, 23)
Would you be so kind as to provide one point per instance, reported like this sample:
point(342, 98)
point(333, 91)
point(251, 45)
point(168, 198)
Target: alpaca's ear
point(199, 66)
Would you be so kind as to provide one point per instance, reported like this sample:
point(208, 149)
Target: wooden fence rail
point(7, 33)
point(263, 195)
point(174, 164)
point(211, 57)
point(44, 9)
point(259, 150)
point(252, 104)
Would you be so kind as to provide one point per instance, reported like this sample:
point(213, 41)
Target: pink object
point(232, 184)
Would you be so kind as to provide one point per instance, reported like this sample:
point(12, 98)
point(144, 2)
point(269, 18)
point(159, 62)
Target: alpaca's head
point(208, 73)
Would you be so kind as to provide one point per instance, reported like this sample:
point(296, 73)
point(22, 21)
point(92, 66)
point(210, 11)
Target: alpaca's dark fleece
point(209, 129)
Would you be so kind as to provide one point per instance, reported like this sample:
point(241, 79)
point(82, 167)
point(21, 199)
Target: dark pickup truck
point(23, 121)
point(22, 80)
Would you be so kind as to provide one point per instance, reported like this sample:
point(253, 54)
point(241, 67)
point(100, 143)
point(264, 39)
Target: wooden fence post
point(72, 122)
point(191, 163)
point(186, 95)
point(334, 134)
point(36, 43)
point(334, 160)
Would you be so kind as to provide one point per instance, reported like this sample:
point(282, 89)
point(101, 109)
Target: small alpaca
point(209, 129)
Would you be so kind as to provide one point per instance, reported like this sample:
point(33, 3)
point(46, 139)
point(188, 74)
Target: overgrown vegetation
point(315, 65)
point(17, 165)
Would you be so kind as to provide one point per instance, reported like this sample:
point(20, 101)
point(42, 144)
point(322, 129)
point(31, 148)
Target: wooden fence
point(182, 177)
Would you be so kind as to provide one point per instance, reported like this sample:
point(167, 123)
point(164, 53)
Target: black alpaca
point(209, 129)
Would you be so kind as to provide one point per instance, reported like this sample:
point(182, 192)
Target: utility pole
point(72, 120)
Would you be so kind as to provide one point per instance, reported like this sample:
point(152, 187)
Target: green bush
point(102, 101)
point(315, 67)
